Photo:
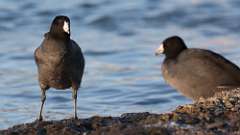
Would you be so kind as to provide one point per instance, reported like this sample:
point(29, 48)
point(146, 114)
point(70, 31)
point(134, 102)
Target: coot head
point(60, 25)
point(171, 47)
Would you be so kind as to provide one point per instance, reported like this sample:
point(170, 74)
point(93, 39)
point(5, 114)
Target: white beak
point(66, 27)
point(159, 50)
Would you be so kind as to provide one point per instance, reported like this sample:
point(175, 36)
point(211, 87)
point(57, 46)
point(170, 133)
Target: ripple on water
point(22, 57)
point(100, 53)
point(57, 99)
point(28, 6)
point(88, 5)
point(152, 101)
point(103, 22)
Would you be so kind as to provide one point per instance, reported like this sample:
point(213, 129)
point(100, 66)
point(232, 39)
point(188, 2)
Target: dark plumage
point(196, 72)
point(59, 60)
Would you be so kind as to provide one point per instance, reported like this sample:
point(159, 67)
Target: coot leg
point(74, 96)
point(43, 98)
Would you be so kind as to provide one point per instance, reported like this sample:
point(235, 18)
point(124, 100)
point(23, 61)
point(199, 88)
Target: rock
point(217, 115)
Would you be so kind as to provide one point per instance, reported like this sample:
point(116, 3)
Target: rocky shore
point(219, 115)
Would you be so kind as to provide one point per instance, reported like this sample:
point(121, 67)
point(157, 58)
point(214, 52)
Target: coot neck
point(58, 42)
point(173, 54)
point(60, 36)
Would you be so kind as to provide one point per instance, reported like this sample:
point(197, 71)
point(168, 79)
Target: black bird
point(196, 72)
point(59, 60)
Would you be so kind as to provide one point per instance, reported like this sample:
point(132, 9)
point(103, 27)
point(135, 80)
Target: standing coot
point(59, 60)
point(196, 72)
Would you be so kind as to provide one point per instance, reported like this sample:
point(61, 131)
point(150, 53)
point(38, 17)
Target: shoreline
point(217, 115)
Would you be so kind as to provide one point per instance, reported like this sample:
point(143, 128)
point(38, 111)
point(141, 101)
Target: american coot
point(196, 72)
point(59, 60)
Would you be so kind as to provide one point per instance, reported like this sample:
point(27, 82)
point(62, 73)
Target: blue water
point(118, 39)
